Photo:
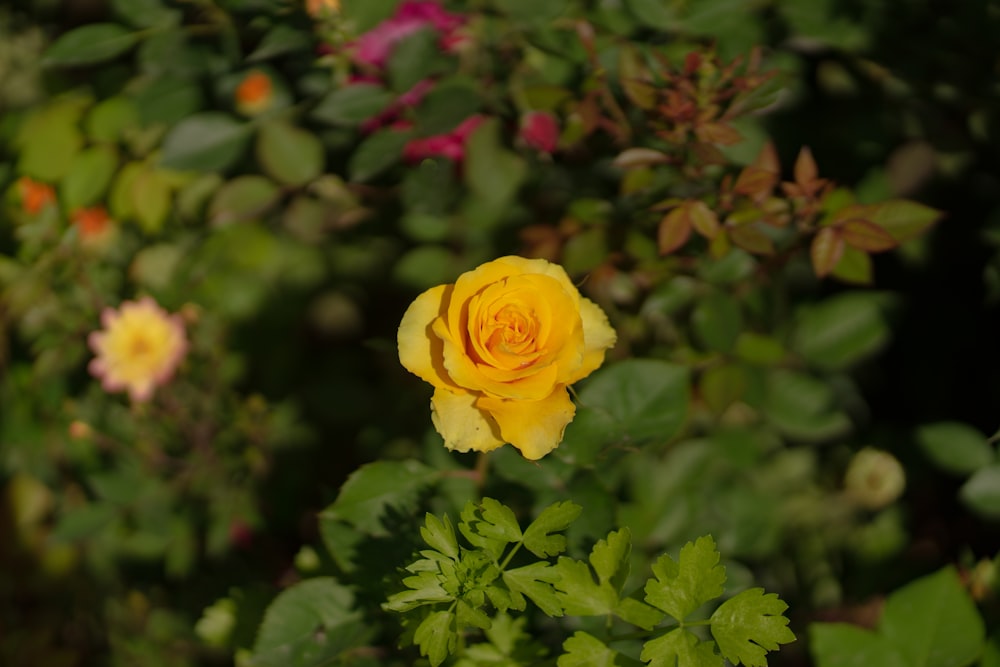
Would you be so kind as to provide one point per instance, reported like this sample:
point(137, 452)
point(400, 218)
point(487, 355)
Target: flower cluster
point(500, 347)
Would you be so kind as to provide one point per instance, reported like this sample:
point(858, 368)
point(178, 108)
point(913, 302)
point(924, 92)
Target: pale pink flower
point(138, 349)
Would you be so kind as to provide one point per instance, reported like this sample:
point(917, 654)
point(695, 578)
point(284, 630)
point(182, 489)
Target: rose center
point(513, 330)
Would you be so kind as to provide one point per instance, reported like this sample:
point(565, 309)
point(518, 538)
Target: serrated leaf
point(578, 592)
point(584, 650)
point(89, 44)
point(490, 525)
point(539, 538)
point(535, 582)
point(422, 588)
point(374, 487)
point(436, 637)
point(683, 585)
point(440, 534)
point(680, 648)
point(637, 613)
point(749, 625)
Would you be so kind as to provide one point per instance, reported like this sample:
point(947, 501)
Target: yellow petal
point(534, 427)
point(420, 351)
point(598, 336)
point(463, 426)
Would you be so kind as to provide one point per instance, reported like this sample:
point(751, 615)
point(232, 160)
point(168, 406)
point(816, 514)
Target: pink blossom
point(540, 130)
point(450, 145)
point(374, 47)
point(391, 114)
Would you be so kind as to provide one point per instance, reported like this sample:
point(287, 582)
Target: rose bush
point(500, 347)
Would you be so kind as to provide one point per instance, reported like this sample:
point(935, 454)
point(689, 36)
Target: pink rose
point(450, 145)
point(374, 47)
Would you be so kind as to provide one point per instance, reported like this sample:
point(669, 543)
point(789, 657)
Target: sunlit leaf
point(206, 141)
point(749, 625)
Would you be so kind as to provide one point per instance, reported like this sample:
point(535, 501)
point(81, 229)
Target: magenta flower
point(540, 130)
point(450, 145)
point(374, 47)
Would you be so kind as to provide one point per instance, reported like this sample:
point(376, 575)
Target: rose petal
point(463, 426)
point(420, 351)
point(598, 336)
point(534, 427)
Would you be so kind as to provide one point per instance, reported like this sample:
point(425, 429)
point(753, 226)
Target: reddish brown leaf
point(752, 239)
point(674, 231)
point(718, 133)
point(639, 157)
point(805, 167)
point(826, 250)
point(866, 235)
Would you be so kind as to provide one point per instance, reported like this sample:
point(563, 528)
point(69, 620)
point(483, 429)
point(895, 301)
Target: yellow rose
point(501, 346)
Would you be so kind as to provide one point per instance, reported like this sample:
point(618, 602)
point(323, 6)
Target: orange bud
point(255, 92)
point(35, 196)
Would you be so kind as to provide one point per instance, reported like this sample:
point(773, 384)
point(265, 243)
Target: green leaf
point(903, 219)
point(492, 172)
point(243, 198)
point(151, 198)
point(934, 622)
point(353, 104)
point(982, 492)
point(436, 637)
point(680, 648)
point(637, 613)
point(539, 538)
point(146, 13)
point(630, 402)
point(168, 100)
point(584, 650)
point(88, 177)
point(86, 521)
point(108, 121)
point(440, 534)
point(839, 644)
point(841, 330)
point(717, 321)
point(446, 105)
point(749, 625)
point(579, 594)
point(855, 266)
point(425, 266)
point(206, 141)
point(289, 154)
point(955, 447)
point(652, 13)
point(414, 58)
point(309, 624)
point(89, 44)
point(375, 486)
point(803, 407)
point(279, 40)
point(535, 582)
point(425, 587)
point(490, 525)
point(683, 585)
point(377, 153)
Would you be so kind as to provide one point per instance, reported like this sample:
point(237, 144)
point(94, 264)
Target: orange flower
point(255, 92)
point(318, 8)
point(91, 222)
point(34, 195)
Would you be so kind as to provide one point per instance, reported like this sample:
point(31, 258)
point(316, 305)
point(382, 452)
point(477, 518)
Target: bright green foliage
point(456, 591)
point(680, 648)
point(694, 579)
point(749, 625)
point(584, 650)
